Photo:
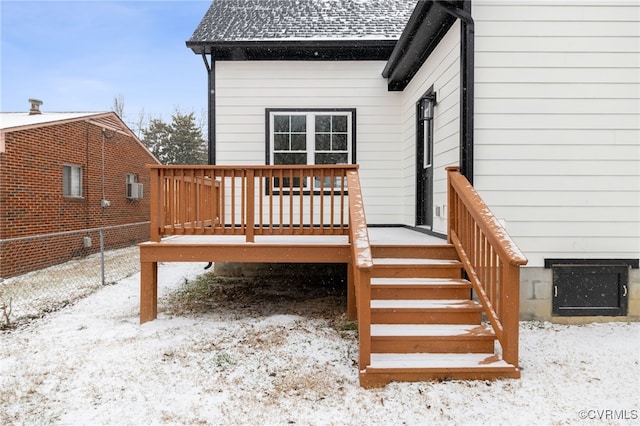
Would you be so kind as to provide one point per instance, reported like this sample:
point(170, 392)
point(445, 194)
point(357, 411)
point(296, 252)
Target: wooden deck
point(275, 248)
point(264, 249)
point(419, 317)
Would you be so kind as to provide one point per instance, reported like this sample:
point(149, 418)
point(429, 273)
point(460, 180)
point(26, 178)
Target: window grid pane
point(310, 138)
point(331, 139)
point(289, 133)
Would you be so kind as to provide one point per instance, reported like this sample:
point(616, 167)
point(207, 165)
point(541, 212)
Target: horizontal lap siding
point(245, 89)
point(442, 71)
point(557, 141)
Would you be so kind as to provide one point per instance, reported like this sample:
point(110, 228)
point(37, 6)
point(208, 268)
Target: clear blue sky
point(80, 55)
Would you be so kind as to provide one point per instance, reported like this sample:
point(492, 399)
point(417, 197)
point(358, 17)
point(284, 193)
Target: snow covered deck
point(377, 236)
point(274, 248)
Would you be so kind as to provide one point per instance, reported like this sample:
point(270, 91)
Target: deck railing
point(491, 260)
point(360, 266)
point(249, 200)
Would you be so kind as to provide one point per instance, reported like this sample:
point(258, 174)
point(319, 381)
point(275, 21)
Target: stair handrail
point(490, 258)
point(362, 264)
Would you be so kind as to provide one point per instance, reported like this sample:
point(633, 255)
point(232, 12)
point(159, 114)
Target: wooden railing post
point(251, 203)
point(155, 208)
point(363, 281)
point(451, 208)
point(510, 314)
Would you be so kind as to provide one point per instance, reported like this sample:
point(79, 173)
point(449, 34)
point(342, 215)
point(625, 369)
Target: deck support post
point(148, 291)
point(352, 312)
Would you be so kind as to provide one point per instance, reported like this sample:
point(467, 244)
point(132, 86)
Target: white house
point(538, 102)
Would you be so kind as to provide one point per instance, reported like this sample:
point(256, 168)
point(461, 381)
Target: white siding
point(557, 141)
point(442, 71)
point(245, 89)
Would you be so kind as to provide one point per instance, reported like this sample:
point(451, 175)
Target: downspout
point(211, 107)
point(467, 65)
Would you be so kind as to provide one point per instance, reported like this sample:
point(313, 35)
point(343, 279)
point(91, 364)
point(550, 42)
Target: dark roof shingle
point(293, 20)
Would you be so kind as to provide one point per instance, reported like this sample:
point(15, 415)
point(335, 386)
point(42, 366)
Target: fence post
point(102, 254)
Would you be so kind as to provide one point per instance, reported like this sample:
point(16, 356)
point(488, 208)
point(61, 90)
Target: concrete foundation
point(536, 298)
point(536, 287)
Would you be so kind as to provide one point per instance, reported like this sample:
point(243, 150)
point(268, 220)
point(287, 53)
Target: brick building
point(65, 178)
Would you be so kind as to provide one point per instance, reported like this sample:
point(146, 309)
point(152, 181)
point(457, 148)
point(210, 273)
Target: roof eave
point(318, 49)
point(427, 26)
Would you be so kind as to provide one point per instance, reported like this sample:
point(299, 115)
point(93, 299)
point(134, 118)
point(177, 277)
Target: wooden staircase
point(424, 323)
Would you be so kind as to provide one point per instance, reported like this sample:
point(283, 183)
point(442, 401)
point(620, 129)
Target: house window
point(315, 137)
point(134, 189)
point(72, 181)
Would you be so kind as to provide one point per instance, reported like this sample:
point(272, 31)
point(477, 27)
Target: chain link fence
point(96, 257)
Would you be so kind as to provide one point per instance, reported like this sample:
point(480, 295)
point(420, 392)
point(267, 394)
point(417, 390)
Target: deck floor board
point(386, 236)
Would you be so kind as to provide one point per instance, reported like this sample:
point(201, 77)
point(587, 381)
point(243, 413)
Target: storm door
point(424, 159)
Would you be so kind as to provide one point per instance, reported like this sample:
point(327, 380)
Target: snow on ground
point(92, 363)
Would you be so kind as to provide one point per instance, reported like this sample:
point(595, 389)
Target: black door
point(424, 160)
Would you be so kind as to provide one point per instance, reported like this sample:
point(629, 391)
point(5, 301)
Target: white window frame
point(311, 151)
point(310, 115)
point(72, 181)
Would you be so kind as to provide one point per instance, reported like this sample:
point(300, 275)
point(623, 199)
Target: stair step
point(426, 361)
point(446, 311)
point(403, 267)
point(386, 368)
point(433, 338)
point(442, 251)
point(444, 304)
point(420, 288)
point(415, 261)
point(431, 330)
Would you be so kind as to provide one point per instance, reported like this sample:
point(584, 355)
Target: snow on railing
point(360, 268)
point(490, 257)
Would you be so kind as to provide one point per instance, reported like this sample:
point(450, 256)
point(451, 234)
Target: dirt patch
point(241, 298)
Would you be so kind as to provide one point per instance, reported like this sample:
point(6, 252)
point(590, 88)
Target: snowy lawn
point(263, 356)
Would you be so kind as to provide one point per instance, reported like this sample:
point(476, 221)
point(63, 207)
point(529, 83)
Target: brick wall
point(32, 201)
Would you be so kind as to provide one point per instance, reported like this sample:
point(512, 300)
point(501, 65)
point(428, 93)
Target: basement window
point(590, 287)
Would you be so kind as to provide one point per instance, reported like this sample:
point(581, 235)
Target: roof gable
point(15, 121)
point(241, 29)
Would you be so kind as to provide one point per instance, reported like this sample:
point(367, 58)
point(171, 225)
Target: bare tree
point(118, 105)
point(138, 126)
